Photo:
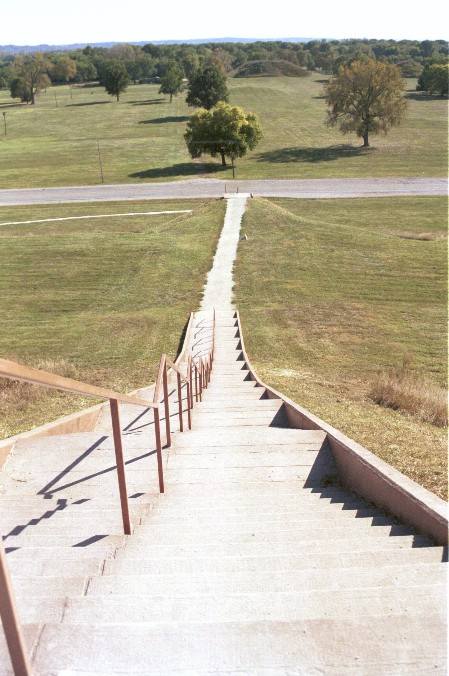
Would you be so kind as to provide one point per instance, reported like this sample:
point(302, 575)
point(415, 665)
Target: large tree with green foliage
point(32, 72)
point(207, 87)
point(224, 131)
point(366, 97)
point(171, 81)
point(20, 90)
point(434, 79)
point(62, 69)
point(115, 78)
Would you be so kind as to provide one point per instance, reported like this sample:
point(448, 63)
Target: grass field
point(141, 137)
point(330, 293)
point(99, 299)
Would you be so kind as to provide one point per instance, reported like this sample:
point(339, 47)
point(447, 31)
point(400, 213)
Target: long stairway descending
point(251, 563)
point(255, 561)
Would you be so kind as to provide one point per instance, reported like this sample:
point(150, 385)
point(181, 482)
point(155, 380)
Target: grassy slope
point(106, 295)
point(329, 293)
point(142, 137)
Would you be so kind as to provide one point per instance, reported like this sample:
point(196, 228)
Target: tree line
point(153, 61)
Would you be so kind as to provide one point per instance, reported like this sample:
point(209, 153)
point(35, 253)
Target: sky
point(31, 22)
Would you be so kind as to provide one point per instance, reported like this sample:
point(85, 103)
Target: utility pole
point(4, 120)
point(100, 162)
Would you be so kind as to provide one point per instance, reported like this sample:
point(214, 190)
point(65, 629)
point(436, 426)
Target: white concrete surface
point(220, 282)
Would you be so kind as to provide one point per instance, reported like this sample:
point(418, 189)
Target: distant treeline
point(144, 63)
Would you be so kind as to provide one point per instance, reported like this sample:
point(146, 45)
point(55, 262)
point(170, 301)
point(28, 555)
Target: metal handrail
point(199, 373)
point(27, 374)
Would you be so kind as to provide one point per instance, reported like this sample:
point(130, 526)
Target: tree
point(32, 73)
point(225, 131)
point(171, 81)
point(20, 90)
point(63, 69)
point(115, 78)
point(207, 87)
point(366, 96)
point(434, 79)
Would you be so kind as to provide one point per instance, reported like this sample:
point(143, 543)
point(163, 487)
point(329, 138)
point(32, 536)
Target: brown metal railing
point(198, 374)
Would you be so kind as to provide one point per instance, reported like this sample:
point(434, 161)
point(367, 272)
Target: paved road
point(209, 187)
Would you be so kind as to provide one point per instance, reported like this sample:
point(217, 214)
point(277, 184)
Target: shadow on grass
point(88, 103)
point(148, 102)
point(13, 105)
point(181, 169)
point(163, 120)
point(422, 96)
point(311, 154)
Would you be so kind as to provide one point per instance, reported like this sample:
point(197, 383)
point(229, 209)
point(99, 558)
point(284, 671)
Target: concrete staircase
point(255, 561)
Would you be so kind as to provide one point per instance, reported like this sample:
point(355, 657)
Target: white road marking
point(74, 218)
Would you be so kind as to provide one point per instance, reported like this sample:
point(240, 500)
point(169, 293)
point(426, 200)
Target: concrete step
point(339, 604)
point(17, 555)
point(251, 582)
point(241, 457)
point(318, 542)
point(259, 435)
point(324, 646)
point(255, 518)
point(258, 493)
point(145, 564)
point(96, 542)
point(244, 406)
point(31, 633)
point(225, 534)
point(49, 586)
point(297, 474)
point(35, 563)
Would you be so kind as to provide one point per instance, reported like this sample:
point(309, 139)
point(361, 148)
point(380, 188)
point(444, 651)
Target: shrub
point(403, 390)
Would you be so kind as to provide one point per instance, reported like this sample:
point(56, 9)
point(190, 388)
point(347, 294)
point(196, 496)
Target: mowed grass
point(331, 292)
point(141, 137)
point(99, 298)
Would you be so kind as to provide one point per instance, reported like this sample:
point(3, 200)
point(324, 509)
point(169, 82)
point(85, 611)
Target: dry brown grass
point(19, 395)
point(403, 390)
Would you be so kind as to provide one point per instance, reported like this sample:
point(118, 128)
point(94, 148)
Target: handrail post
point(181, 422)
point(190, 379)
point(196, 383)
point(189, 395)
point(166, 403)
point(115, 417)
point(157, 434)
point(200, 380)
point(10, 621)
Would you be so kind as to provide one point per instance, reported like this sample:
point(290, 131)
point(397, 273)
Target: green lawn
point(102, 298)
point(332, 291)
point(141, 137)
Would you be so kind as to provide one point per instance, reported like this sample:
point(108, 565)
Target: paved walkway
point(202, 188)
point(219, 284)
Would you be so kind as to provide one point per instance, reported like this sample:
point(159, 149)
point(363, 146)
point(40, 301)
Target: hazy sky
point(56, 22)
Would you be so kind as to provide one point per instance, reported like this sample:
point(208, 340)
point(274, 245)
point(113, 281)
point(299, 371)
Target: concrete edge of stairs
point(363, 472)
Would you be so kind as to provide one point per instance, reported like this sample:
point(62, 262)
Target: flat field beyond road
point(98, 299)
point(330, 292)
point(141, 137)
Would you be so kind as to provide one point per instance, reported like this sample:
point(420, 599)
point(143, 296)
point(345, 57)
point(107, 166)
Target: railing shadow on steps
point(195, 380)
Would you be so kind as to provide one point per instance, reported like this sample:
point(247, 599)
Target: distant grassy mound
point(267, 68)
